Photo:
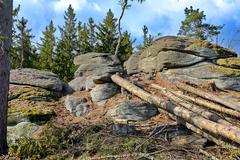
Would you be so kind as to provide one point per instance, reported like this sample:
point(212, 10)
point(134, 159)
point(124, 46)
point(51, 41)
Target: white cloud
point(62, 5)
point(97, 7)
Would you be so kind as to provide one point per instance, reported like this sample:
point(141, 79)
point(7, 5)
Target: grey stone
point(96, 58)
point(131, 65)
point(78, 84)
point(122, 129)
point(104, 91)
point(23, 129)
point(15, 118)
point(76, 105)
point(37, 78)
point(132, 111)
point(202, 73)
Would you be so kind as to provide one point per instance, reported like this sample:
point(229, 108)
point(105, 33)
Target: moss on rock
point(35, 116)
point(229, 62)
point(31, 93)
point(226, 70)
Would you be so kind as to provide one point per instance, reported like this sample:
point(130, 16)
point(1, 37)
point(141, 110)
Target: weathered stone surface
point(131, 65)
point(99, 58)
point(37, 78)
point(23, 129)
point(224, 78)
point(168, 59)
point(122, 129)
point(76, 105)
point(95, 69)
point(24, 92)
point(133, 111)
point(174, 52)
point(78, 84)
point(104, 91)
point(229, 62)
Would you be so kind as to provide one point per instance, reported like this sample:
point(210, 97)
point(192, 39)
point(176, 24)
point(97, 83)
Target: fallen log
point(189, 116)
point(207, 104)
point(208, 96)
point(197, 109)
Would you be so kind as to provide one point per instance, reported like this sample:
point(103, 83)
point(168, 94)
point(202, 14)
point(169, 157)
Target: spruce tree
point(107, 34)
point(147, 39)
point(92, 33)
point(47, 48)
point(85, 40)
point(67, 47)
point(126, 48)
point(194, 26)
point(15, 58)
point(26, 55)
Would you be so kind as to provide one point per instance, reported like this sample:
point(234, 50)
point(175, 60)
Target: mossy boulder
point(24, 92)
point(233, 62)
point(23, 129)
point(34, 116)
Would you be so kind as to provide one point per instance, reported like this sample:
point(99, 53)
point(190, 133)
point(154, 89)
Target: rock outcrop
point(187, 59)
point(94, 75)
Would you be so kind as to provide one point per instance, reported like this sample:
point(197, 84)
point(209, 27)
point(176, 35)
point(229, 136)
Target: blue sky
point(161, 16)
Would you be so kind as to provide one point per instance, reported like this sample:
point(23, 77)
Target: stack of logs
point(199, 111)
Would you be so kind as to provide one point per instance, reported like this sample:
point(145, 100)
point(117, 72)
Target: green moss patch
point(31, 93)
point(229, 62)
point(227, 71)
point(224, 52)
point(35, 116)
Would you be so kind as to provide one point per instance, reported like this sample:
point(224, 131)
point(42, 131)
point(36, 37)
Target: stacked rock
point(94, 74)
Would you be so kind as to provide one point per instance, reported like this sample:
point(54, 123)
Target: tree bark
point(5, 43)
point(197, 109)
point(208, 96)
point(229, 132)
point(208, 104)
point(119, 26)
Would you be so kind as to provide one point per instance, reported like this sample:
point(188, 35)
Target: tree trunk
point(229, 132)
point(208, 96)
point(197, 109)
point(5, 43)
point(208, 104)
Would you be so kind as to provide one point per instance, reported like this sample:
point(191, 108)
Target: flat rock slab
point(132, 111)
point(36, 78)
point(203, 73)
point(103, 92)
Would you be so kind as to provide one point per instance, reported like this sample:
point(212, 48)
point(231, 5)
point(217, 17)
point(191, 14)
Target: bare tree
point(124, 4)
point(5, 43)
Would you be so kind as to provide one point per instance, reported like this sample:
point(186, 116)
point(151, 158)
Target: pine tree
point(107, 34)
point(47, 48)
point(193, 25)
point(85, 40)
point(67, 47)
point(126, 48)
point(26, 56)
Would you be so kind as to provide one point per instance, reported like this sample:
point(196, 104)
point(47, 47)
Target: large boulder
point(103, 92)
point(233, 62)
point(202, 73)
point(175, 52)
point(78, 84)
point(36, 78)
point(132, 111)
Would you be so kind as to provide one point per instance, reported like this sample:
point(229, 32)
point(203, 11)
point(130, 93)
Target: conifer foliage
point(194, 26)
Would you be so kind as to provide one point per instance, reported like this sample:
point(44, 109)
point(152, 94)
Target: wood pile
point(202, 112)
